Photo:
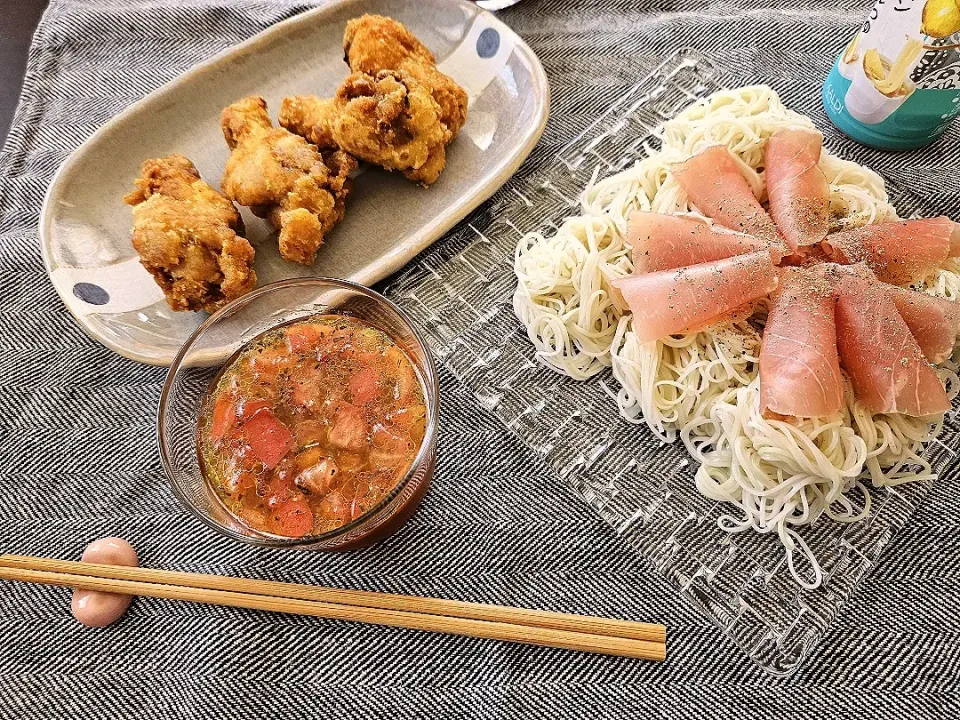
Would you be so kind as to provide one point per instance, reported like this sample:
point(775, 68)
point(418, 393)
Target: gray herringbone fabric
point(79, 459)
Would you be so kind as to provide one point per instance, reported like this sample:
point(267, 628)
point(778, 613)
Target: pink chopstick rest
point(99, 609)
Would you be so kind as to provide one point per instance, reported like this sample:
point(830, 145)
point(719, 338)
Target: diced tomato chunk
point(307, 389)
point(335, 507)
point(266, 365)
point(363, 386)
point(294, 517)
point(249, 408)
point(224, 416)
point(348, 429)
point(309, 432)
point(279, 488)
point(269, 439)
point(304, 336)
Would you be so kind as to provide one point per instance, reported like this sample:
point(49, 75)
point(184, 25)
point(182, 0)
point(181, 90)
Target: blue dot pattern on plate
point(488, 43)
point(91, 294)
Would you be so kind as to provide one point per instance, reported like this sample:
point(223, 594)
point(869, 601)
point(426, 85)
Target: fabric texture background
point(79, 457)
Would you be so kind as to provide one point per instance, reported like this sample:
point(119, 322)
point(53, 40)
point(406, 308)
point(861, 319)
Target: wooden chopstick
point(573, 632)
point(360, 598)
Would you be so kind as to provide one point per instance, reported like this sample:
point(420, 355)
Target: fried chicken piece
point(396, 110)
point(282, 177)
point(186, 234)
point(372, 43)
point(367, 133)
point(391, 121)
point(310, 117)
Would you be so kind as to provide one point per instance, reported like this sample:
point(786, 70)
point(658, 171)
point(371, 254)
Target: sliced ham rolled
point(799, 365)
point(673, 301)
point(885, 363)
point(934, 322)
point(714, 183)
point(797, 191)
point(901, 252)
point(664, 242)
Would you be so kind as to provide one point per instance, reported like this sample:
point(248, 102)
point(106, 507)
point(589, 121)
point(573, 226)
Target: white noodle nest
point(704, 387)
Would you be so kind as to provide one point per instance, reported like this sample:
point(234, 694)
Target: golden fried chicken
point(392, 121)
point(282, 177)
point(383, 132)
point(372, 43)
point(186, 234)
point(310, 117)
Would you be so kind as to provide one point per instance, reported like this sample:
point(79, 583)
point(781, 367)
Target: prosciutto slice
point(799, 365)
point(714, 183)
point(901, 252)
point(672, 301)
point(881, 356)
point(664, 242)
point(934, 322)
point(797, 191)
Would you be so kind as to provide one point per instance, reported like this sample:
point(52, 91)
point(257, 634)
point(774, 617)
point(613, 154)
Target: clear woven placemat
point(461, 292)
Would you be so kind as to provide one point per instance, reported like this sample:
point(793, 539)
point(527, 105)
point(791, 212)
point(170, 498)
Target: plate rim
point(385, 265)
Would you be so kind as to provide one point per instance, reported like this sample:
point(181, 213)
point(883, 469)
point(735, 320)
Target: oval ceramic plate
point(85, 226)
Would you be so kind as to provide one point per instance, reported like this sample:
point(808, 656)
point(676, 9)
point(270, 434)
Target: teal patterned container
point(896, 86)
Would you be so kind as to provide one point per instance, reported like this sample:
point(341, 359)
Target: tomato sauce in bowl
point(311, 426)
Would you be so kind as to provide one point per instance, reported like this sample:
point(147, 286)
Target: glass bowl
point(216, 342)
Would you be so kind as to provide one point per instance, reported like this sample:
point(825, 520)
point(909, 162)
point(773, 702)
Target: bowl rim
point(427, 445)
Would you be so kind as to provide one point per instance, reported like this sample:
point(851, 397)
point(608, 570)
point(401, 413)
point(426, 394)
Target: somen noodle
point(703, 387)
